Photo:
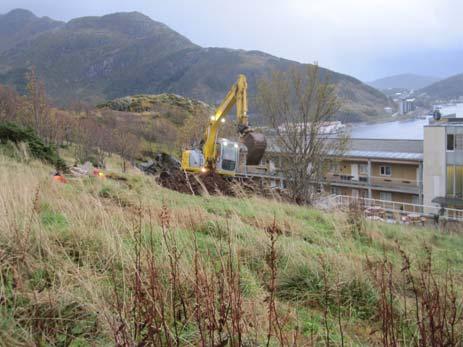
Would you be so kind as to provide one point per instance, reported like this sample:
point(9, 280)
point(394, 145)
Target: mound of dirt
point(204, 184)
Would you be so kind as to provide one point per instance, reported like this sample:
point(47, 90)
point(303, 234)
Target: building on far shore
point(388, 110)
point(406, 106)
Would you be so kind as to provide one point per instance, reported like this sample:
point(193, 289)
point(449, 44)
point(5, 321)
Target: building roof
point(375, 149)
point(385, 149)
point(447, 122)
point(386, 145)
point(384, 155)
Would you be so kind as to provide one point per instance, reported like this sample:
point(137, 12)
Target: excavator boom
point(255, 143)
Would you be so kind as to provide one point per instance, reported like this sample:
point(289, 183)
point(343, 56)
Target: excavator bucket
point(256, 145)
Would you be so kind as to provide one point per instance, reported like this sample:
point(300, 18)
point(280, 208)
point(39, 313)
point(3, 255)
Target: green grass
point(75, 240)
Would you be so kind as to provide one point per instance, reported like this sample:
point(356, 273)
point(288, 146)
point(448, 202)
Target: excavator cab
point(227, 158)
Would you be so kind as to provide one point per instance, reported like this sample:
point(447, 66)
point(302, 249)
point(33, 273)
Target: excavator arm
point(236, 96)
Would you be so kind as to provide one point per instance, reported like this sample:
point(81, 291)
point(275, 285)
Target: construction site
point(154, 192)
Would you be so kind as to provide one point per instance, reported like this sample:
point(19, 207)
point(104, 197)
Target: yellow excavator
point(222, 155)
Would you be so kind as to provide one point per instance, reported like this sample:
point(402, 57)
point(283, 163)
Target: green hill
point(99, 58)
point(123, 261)
point(447, 89)
point(403, 81)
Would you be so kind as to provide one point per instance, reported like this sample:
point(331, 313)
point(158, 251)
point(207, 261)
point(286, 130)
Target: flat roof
point(386, 145)
point(383, 155)
point(375, 149)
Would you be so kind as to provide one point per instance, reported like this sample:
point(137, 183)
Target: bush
point(17, 134)
point(306, 286)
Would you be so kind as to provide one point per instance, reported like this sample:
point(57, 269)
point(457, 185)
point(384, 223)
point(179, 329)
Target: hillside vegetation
point(123, 262)
point(446, 89)
point(94, 59)
point(167, 104)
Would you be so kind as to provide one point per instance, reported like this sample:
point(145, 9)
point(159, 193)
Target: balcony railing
point(375, 181)
point(397, 207)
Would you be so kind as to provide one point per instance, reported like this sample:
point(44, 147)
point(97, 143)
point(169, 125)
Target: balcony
point(401, 208)
point(376, 182)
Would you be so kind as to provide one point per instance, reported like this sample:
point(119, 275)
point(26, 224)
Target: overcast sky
point(365, 38)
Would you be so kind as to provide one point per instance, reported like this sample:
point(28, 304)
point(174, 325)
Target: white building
point(406, 106)
point(443, 163)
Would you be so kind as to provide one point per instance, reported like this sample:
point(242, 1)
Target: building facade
point(443, 164)
point(388, 170)
point(406, 106)
point(427, 174)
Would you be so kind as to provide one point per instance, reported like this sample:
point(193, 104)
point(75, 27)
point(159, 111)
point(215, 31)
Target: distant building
point(388, 110)
point(406, 106)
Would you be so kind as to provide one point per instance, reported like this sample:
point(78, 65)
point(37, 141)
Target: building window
point(334, 167)
point(455, 180)
point(459, 181)
point(385, 170)
point(416, 199)
point(336, 191)
point(459, 142)
point(450, 180)
point(363, 169)
point(386, 196)
point(450, 142)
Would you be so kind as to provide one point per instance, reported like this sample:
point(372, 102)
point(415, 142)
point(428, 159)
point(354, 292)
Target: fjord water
point(410, 129)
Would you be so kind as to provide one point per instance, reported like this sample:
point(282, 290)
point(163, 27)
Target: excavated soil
point(203, 184)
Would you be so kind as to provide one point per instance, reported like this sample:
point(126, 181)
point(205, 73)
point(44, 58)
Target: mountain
point(22, 26)
point(447, 89)
point(403, 81)
point(93, 59)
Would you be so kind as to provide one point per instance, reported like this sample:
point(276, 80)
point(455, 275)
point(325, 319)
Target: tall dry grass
point(128, 263)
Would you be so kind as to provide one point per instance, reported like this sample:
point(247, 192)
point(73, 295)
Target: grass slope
point(69, 255)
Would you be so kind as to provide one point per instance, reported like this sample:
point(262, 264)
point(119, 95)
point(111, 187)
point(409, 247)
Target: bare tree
point(127, 146)
point(38, 102)
point(10, 104)
point(299, 105)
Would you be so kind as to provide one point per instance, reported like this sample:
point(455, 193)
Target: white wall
point(434, 163)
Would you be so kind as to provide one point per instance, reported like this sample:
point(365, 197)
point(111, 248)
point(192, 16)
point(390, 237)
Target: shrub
point(17, 134)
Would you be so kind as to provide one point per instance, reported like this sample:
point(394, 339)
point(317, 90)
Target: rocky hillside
point(449, 88)
point(160, 103)
point(100, 58)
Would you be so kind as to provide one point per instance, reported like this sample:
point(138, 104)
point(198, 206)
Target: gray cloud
point(365, 38)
